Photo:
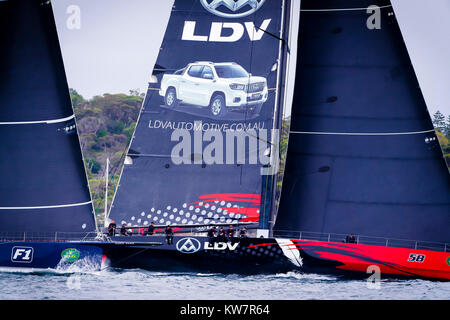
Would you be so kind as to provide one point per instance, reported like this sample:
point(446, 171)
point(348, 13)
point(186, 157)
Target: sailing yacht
point(45, 204)
point(361, 146)
point(363, 157)
point(364, 186)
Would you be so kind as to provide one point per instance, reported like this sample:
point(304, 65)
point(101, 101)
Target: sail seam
point(47, 207)
point(363, 133)
point(40, 121)
point(362, 157)
point(348, 117)
point(392, 203)
point(342, 9)
point(153, 155)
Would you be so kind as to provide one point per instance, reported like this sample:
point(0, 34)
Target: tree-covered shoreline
point(105, 125)
point(442, 126)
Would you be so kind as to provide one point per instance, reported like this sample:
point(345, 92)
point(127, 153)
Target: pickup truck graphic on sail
point(222, 87)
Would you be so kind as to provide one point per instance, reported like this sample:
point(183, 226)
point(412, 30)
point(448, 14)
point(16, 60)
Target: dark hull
point(238, 256)
point(244, 256)
point(150, 253)
point(258, 255)
point(49, 255)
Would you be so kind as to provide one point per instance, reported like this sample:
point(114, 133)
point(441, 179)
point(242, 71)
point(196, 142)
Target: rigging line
point(276, 37)
point(342, 9)
point(364, 133)
point(248, 86)
point(164, 69)
point(47, 207)
point(40, 121)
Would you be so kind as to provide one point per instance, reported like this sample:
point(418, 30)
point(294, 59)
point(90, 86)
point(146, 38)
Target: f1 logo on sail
point(22, 254)
point(234, 30)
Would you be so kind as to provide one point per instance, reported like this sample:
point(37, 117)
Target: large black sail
point(363, 157)
point(43, 184)
point(218, 73)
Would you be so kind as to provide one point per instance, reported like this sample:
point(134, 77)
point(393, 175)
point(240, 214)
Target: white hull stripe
point(47, 207)
point(364, 133)
point(290, 251)
point(39, 122)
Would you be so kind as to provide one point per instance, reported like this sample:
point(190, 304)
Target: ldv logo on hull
point(22, 254)
point(221, 246)
point(192, 245)
point(232, 8)
point(188, 245)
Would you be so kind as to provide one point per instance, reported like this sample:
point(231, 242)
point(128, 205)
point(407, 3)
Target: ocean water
point(84, 284)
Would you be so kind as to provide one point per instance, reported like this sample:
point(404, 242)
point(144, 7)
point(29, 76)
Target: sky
point(117, 43)
point(425, 26)
point(116, 46)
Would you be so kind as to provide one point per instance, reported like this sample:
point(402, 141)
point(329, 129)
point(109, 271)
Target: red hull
point(391, 260)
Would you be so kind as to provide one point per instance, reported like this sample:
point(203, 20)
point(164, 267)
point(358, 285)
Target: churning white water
point(83, 282)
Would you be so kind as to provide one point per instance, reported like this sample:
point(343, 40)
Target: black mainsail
point(236, 50)
point(363, 157)
point(43, 181)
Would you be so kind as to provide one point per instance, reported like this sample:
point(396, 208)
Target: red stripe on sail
point(226, 195)
point(231, 197)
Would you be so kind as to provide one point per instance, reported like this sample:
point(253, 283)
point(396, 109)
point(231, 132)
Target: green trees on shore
point(105, 125)
point(442, 126)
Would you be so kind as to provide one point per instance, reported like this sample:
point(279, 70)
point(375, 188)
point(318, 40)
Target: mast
point(106, 191)
point(270, 172)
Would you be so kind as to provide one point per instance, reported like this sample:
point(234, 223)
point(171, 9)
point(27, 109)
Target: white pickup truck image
point(222, 87)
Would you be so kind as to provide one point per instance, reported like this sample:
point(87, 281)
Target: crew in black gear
point(212, 234)
point(124, 231)
point(230, 233)
point(350, 239)
point(151, 229)
point(243, 233)
point(221, 237)
point(112, 228)
point(169, 235)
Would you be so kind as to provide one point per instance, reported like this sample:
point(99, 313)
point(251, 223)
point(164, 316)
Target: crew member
point(350, 239)
point(243, 233)
point(169, 234)
point(112, 228)
point(230, 233)
point(124, 231)
point(212, 234)
point(221, 237)
point(151, 229)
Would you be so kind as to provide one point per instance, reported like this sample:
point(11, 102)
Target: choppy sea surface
point(83, 284)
